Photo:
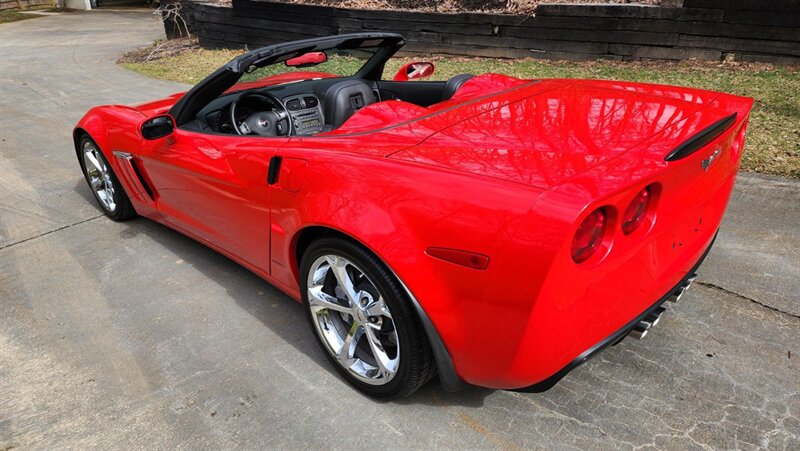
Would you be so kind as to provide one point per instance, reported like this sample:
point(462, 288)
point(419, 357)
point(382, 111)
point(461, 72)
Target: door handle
point(273, 170)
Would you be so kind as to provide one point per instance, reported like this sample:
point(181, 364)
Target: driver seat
point(343, 99)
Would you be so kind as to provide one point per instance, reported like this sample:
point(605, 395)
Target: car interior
point(270, 92)
point(312, 106)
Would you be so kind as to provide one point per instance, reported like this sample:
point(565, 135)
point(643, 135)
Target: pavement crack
point(50, 231)
point(740, 296)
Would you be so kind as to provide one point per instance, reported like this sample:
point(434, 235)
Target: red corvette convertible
point(493, 230)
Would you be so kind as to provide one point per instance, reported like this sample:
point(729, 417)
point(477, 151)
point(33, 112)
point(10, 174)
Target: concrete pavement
point(131, 335)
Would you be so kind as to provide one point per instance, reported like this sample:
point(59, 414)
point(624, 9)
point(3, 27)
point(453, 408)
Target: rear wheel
point(103, 182)
point(363, 320)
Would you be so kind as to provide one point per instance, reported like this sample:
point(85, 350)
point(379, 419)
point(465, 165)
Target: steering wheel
point(276, 122)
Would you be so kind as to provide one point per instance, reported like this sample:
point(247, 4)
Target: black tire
point(123, 209)
point(416, 362)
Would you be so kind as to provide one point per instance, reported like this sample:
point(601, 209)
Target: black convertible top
point(226, 76)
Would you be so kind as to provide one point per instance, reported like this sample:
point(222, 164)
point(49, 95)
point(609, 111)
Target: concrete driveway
point(130, 335)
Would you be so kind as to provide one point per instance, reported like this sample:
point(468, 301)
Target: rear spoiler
point(702, 138)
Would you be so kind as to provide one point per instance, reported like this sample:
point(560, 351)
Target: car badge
point(707, 162)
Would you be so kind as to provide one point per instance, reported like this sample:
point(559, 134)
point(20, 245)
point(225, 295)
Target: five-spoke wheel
point(98, 175)
point(103, 182)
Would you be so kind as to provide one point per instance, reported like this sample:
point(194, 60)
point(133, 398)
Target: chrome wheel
point(98, 175)
point(353, 320)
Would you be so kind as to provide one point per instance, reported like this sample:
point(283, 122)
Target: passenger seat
point(453, 84)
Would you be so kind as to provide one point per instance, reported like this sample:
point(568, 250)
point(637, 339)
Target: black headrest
point(345, 98)
point(453, 84)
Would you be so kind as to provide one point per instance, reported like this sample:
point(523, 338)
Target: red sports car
point(493, 230)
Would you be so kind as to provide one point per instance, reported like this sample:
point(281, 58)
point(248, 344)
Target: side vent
point(130, 171)
point(145, 185)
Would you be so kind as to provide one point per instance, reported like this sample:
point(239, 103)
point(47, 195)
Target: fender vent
point(144, 183)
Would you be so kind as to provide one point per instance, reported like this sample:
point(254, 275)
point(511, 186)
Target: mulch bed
point(159, 50)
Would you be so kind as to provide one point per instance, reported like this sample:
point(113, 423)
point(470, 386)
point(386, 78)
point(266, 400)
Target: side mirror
point(307, 59)
point(158, 127)
point(415, 71)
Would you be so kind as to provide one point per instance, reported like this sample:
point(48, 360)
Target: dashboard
point(305, 110)
point(306, 114)
point(303, 100)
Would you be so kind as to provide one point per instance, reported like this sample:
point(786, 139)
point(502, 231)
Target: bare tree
point(171, 12)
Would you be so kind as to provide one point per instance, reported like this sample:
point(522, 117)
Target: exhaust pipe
point(655, 316)
point(676, 295)
point(640, 330)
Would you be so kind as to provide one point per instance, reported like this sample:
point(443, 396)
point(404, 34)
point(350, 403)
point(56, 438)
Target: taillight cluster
point(635, 213)
point(589, 236)
point(593, 232)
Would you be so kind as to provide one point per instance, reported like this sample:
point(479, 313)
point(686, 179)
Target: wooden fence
point(750, 30)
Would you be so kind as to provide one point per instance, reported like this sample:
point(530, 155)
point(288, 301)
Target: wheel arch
point(77, 135)
point(92, 125)
point(307, 235)
point(96, 122)
point(444, 362)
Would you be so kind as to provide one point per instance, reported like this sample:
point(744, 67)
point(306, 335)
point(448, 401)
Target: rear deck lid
point(543, 139)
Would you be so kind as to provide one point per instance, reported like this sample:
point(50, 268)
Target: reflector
point(463, 258)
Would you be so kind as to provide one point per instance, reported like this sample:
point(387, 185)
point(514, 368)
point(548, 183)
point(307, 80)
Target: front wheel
point(103, 182)
point(363, 320)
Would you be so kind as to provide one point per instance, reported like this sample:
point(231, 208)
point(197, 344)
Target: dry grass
point(14, 16)
point(161, 49)
point(773, 145)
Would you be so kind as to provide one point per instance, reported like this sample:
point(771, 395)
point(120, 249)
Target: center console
point(306, 113)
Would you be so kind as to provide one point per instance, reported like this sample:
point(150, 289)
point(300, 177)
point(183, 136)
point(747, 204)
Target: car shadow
point(274, 309)
point(83, 190)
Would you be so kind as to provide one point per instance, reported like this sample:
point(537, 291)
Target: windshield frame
point(278, 73)
point(187, 107)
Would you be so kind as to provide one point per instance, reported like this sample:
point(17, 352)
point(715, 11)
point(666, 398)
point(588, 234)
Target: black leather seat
point(345, 98)
point(453, 84)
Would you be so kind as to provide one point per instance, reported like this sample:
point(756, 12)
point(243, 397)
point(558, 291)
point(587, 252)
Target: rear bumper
point(619, 334)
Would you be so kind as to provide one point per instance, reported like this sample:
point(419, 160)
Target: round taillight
point(588, 236)
point(636, 212)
